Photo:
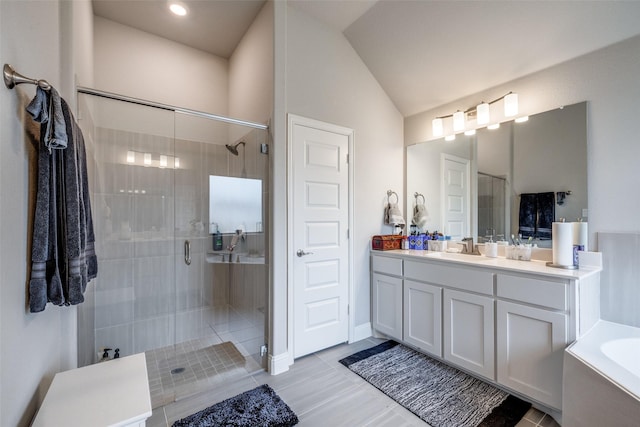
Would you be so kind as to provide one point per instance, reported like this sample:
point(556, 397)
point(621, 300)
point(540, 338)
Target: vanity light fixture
point(480, 112)
point(458, 121)
point(483, 113)
point(178, 8)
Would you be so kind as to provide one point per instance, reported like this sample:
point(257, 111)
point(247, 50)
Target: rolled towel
point(420, 216)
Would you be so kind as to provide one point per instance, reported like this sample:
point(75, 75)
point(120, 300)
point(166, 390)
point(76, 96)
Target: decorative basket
point(386, 243)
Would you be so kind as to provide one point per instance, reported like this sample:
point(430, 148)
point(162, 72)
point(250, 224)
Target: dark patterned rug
point(440, 395)
point(258, 407)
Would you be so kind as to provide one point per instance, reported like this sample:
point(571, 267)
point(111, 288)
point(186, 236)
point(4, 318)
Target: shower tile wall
point(145, 297)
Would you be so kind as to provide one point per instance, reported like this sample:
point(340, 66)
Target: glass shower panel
point(133, 299)
point(222, 293)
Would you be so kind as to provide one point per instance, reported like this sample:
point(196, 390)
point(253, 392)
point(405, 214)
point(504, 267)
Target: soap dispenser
point(217, 238)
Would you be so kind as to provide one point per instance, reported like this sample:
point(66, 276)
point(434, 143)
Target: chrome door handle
point(302, 253)
point(187, 252)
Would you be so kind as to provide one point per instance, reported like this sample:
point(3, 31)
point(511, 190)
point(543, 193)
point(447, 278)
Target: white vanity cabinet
point(423, 316)
point(386, 292)
point(469, 332)
point(532, 335)
point(505, 321)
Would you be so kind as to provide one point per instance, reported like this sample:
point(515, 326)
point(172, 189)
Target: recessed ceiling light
point(178, 8)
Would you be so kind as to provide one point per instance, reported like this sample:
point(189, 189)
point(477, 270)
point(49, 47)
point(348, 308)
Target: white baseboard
point(278, 363)
point(361, 332)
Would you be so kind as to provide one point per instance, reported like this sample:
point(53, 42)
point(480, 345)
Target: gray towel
point(63, 255)
point(45, 106)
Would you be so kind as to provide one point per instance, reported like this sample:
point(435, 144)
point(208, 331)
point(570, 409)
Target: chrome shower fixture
point(233, 149)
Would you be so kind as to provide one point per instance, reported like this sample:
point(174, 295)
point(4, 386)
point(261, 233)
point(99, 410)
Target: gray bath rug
point(440, 395)
point(258, 407)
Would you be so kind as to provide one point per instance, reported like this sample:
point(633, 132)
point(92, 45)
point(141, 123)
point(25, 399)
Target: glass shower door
point(198, 313)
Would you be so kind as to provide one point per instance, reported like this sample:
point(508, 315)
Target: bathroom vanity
point(505, 321)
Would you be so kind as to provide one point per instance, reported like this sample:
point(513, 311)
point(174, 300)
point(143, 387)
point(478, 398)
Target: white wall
point(138, 64)
point(608, 80)
point(35, 40)
point(251, 71)
point(326, 80)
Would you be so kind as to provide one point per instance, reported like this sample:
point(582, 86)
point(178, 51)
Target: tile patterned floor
point(321, 392)
point(188, 368)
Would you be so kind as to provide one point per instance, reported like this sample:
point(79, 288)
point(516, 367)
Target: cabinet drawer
point(465, 278)
point(387, 265)
point(533, 291)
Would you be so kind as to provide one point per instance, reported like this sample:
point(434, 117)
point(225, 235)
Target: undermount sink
point(458, 256)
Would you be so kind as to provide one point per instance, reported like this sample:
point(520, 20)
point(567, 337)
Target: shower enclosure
point(198, 313)
point(492, 213)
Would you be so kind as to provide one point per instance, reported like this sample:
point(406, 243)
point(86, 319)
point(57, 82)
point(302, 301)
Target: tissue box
point(438, 245)
point(386, 243)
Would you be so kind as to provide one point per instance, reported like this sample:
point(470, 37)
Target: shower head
point(233, 149)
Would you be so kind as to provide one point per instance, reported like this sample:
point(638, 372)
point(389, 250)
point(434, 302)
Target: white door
point(455, 196)
point(320, 184)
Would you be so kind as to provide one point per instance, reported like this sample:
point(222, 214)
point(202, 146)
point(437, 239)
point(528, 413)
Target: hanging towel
point(420, 216)
point(528, 214)
point(546, 215)
point(393, 216)
point(63, 255)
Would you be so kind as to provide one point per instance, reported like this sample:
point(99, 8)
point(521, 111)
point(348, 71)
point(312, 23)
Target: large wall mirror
point(484, 184)
point(234, 204)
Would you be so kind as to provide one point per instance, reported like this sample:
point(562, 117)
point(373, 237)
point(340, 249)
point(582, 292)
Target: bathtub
point(601, 377)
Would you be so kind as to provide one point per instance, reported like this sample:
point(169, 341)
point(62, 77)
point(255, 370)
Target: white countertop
point(499, 263)
point(113, 393)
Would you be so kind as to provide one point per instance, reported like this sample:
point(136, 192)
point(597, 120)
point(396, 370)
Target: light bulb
point(147, 159)
point(511, 105)
point(131, 157)
point(483, 113)
point(458, 121)
point(521, 119)
point(163, 161)
point(436, 127)
point(494, 126)
point(470, 132)
point(450, 138)
point(178, 9)
point(176, 162)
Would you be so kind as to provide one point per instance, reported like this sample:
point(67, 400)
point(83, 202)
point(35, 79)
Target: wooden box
point(386, 243)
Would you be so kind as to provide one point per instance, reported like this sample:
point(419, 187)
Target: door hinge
point(348, 234)
point(347, 158)
point(347, 309)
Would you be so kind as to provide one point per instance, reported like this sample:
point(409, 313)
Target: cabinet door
point(387, 305)
point(423, 316)
point(530, 346)
point(469, 332)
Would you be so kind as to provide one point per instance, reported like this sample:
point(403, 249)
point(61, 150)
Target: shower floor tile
point(188, 368)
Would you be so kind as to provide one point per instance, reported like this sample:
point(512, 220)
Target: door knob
point(302, 253)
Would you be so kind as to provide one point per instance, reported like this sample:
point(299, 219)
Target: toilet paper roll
point(580, 234)
point(562, 243)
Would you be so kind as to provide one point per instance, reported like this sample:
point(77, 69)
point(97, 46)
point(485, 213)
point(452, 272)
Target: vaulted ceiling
point(423, 53)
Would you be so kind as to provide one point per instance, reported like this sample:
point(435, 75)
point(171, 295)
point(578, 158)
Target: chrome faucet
point(468, 247)
point(234, 240)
